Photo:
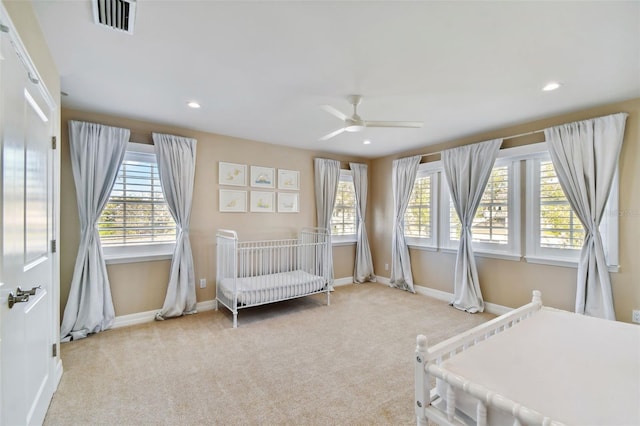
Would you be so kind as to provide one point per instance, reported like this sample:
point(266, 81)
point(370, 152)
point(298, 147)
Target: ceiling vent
point(115, 14)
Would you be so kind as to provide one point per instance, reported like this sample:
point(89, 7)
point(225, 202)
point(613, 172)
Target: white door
point(26, 373)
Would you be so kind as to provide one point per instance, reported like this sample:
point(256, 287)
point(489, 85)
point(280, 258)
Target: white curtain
point(467, 169)
point(96, 152)
point(585, 157)
point(363, 269)
point(404, 176)
point(327, 176)
point(177, 165)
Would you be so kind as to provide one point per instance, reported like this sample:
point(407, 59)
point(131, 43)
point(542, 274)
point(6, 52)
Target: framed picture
point(232, 174)
point(233, 201)
point(288, 179)
point(263, 177)
point(288, 202)
point(263, 201)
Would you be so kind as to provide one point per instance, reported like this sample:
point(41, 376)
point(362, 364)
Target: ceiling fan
point(355, 123)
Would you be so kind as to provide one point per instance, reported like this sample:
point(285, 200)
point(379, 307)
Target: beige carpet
point(296, 362)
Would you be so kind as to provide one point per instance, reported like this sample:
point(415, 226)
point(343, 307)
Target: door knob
point(20, 298)
point(32, 292)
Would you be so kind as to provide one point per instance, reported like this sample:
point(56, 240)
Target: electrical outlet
point(636, 316)
point(386, 266)
point(203, 283)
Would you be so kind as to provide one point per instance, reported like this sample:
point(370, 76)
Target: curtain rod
point(519, 135)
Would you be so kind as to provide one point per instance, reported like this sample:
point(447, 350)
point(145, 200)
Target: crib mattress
point(575, 369)
point(272, 287)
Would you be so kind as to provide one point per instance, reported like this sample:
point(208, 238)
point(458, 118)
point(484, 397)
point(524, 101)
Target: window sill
point(343, 243)
point(138, 253)
point(126, 258)
point(488, 254)
point(563, 263)
point(420, 247)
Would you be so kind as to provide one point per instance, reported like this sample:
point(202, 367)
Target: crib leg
point(328, 298)
point(235, 320)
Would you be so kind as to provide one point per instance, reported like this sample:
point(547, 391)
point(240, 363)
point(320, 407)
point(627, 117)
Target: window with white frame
point(420, 218)
point(495, 226)
point(136, 220)
point(555, 234)
point(344, 217)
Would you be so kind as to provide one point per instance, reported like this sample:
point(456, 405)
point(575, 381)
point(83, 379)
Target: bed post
point(422, 396)
point(536, 298)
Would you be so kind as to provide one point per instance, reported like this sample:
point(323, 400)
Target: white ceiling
point(261, 69)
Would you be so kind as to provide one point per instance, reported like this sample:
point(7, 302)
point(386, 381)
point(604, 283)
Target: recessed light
point(551, 86)
point(367, 142)
point(193, 104)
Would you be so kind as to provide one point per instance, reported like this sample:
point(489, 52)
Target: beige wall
point(140, 287)
point(510, 283)
point(25, 21)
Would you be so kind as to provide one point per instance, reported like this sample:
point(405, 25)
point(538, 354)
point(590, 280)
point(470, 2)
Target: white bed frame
point(252, 273)
point(430, 405)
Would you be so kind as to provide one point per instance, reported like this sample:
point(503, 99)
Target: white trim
point(336, 241)
point(342, 281)
point(58, 372)
point(487, 253)
point(420, 247)
point(149, 316)
point(124, 258)
point(383, 280)
point(491, 308)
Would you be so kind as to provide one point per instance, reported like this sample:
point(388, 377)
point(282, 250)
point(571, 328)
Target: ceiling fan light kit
point(356, 124)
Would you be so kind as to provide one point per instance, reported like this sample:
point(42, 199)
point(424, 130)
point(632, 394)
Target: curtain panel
point(403, 179)
point(363, 268)
point(177, 165)
point(585, 156)
point(326, 176)
point(467, 169)
point(96, 153)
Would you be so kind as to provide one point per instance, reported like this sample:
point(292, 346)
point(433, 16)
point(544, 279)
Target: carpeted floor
point(294, 363)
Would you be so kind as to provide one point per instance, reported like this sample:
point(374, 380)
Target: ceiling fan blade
point(331, 110)
point(332, 134)
point(408, 124)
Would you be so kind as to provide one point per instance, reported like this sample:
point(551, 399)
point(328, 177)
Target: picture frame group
point(258, 200)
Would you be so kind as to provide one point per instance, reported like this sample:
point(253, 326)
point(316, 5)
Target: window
point(556, 235)
point(495, 226)
point(136, 220)
point(559, 226)
point(344, 218)
point(420, 217)
point(553, 233)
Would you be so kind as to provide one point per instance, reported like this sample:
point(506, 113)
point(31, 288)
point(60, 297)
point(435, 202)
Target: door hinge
point(54, 350)
point(54, 142)
point(54, 246)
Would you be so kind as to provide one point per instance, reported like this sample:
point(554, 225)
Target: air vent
point(115, 14)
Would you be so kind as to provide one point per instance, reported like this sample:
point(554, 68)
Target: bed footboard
point(442, 408)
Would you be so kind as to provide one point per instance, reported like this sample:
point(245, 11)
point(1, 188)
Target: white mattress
point(272, 287)
point(575, 369)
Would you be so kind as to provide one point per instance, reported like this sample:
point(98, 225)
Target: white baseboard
point(149, 316)
point(491, 308)
point(58, 374)
point(342, 281)
point(382, 280)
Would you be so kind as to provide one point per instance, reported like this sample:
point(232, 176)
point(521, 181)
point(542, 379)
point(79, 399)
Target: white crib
point(252, 273)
